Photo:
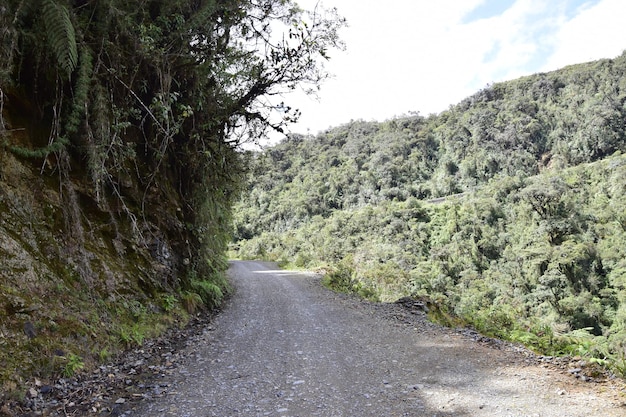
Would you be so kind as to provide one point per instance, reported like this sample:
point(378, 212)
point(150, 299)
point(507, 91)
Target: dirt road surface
point(286, 346)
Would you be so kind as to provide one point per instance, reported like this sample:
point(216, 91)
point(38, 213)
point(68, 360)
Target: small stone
point(120, 401)
point(32, 392)
point(46, 389)
point(29, 330)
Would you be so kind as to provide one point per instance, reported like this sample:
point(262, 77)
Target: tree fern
point(60, 33)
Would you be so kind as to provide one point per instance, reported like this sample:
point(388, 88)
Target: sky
point(405, 56)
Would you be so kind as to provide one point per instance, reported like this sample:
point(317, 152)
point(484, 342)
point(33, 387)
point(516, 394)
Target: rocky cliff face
point(81, 274)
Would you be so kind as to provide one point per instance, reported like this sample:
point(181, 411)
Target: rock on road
point(286, 346)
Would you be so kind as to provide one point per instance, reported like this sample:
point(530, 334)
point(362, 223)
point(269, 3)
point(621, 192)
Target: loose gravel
point(286, 346)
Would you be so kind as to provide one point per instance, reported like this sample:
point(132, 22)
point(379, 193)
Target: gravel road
point(286, 346)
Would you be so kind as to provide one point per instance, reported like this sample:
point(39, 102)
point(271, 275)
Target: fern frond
point(61, 36)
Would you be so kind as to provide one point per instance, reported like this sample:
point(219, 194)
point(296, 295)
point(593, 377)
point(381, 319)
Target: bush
point(210, 293)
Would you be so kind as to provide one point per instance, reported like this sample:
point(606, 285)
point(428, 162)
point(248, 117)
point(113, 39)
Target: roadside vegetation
point(529, 243)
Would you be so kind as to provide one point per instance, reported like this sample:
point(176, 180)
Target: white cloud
point(597, 32)
point(417, 55)
point(401, 55)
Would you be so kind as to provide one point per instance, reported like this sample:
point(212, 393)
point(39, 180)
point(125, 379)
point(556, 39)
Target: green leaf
point(61, 36)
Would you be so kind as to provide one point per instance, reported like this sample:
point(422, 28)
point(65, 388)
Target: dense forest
point(505, 212)
point(120, 123)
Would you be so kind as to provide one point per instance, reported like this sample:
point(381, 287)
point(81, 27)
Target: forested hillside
point(119, 128)
point(529, 239)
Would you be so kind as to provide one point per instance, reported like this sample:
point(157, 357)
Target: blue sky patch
point(494, 8)
point(487, 9)
point(573, 7)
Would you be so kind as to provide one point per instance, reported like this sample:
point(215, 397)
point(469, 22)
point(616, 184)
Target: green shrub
point(191, 301)
point(74, 363)
point(210, 293)
point(168, 302)
point(341, 277)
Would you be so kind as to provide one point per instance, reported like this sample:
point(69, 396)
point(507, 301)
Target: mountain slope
point(530, 243)
point(516, 128)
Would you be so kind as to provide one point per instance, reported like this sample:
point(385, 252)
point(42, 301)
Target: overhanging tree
point(160, 95)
